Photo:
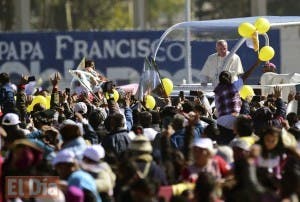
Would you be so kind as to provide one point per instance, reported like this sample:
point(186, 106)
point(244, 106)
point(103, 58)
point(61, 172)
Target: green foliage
point(284, 8)
point(86, 15)
point(218, 9)
point(122, 18)
point(94, 14)
point(166, 10)
point(117, 14)
point(6, 14)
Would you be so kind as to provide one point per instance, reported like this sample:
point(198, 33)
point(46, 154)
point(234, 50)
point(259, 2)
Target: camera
point(181, 94)
point(68, 91)
point(31, 78)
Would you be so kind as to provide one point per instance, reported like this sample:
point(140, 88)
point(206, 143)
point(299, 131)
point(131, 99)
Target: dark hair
point(69, 132)
point(89, 63)
point(136, 116)
point(155, 117)
point(201, 109)
point(262, 118)
point(117, 121)
point(13, 133)
point(107, 122)
point(148, 187)
point(212, 131)
point(95, 119)
point(38, 107)
point(279, 147)
point(4, 78)
point(205, 186)
point(187, 106)
point(179, 199)
point(292, 118)
point(177, 122)
point(225, 77)
point(244, 126)
point(146, 119)
point(291, 177)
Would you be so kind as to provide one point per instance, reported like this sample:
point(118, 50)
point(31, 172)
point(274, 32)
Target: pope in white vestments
point(214, 64)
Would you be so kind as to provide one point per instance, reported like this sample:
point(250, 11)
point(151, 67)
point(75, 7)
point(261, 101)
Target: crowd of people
point(244, 149)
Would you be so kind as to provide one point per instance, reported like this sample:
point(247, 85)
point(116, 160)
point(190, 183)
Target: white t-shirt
point(214, 66)
point(150, 133)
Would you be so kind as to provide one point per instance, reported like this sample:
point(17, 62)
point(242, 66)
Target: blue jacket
point(116, 142)
point(177, 139)
point(77, 146)
point(128, 117)
point(245, 108)
point(89, 133)
point(36, 137)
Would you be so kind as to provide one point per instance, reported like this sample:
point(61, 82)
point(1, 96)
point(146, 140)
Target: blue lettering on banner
point(119, 55)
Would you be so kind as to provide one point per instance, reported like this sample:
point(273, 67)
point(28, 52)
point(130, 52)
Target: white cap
point(240, 143)
point(64, 156)
point(10, 119)
point(205, 143)
point(80, 107)
point(69, 122)
point(94, 152)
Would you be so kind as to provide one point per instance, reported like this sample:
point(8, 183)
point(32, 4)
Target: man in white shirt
point(214, 64)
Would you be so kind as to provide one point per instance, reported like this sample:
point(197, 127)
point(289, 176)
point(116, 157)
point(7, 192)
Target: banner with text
point(119, 55)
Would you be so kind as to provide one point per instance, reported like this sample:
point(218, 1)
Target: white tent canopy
point(228, 27)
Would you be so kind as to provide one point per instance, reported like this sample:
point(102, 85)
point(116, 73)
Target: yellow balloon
point(168, 85)
point(116, 95)
point(246, 91)
point(246, 29)
point(37, 100)
point(262, 25)
point(150, 102)
point(266, 53)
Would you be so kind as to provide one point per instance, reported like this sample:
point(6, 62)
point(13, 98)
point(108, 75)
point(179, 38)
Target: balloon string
point(266, 38)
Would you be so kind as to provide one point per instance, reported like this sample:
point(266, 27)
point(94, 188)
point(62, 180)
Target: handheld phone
point(256, 98)
point(68, 91)
point(181, 94)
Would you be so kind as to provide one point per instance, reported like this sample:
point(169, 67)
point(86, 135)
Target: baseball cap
point(205, 143)
point(94, 152)
point(10, 119)
point(240, 143)
point(80, 107)
point(64, 156)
